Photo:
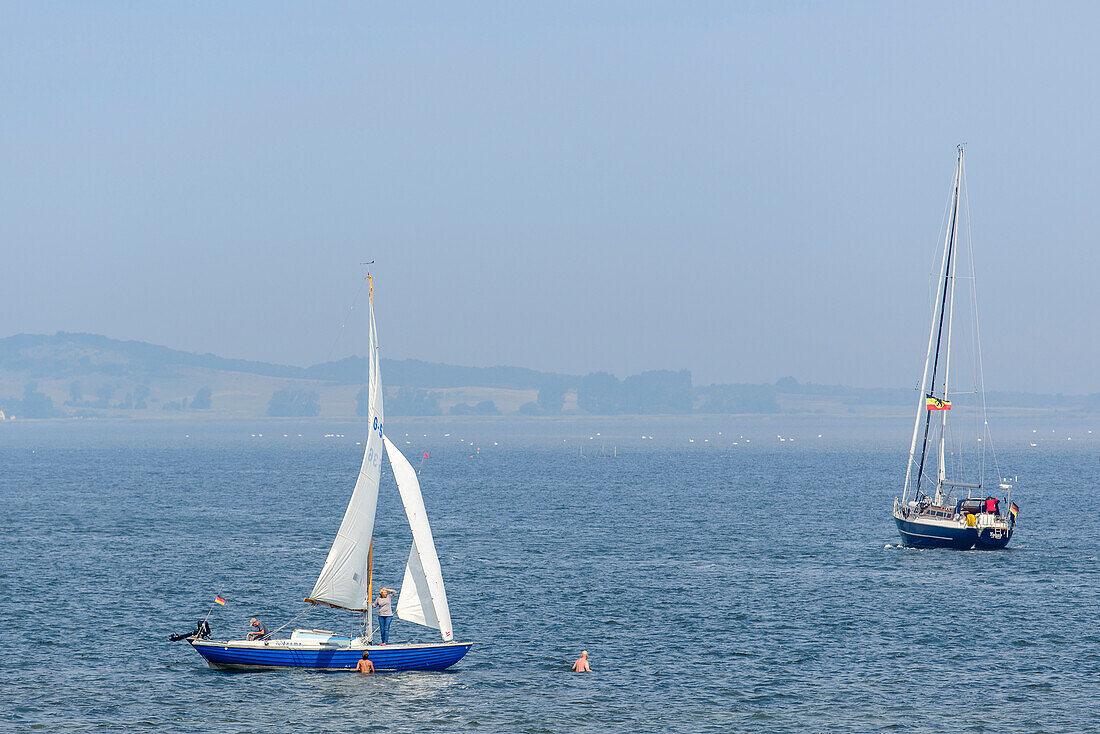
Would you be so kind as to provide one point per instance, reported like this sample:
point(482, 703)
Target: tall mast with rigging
point(935, 339)
point(949, 284)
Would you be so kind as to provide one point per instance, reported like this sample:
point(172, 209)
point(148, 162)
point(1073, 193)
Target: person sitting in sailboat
point(259, 632)
point(384, 602)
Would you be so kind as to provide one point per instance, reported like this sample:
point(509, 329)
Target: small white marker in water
point(446, 435)
point(819, 435)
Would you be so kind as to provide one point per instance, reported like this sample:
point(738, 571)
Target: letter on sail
point(343, 580)
point(422, 599)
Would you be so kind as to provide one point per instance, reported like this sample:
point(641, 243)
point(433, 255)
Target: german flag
point(1014, 510)
point(219, 600)
point(937, 404)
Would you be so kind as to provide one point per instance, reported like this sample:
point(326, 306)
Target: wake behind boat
point(928, 513)
point(346, 581)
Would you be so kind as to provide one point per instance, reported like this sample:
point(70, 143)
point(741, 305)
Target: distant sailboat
point(345, 581)
point(928, 514)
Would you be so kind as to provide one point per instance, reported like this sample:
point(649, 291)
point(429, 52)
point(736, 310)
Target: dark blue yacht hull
point(924, 535)
point(993, 538)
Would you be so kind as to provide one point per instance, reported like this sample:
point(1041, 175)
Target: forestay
point(343, 580)
point(423, 599)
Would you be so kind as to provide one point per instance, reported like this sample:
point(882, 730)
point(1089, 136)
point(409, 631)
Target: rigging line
point(931, 327)
point(932, 270)
point(300, 615)
point(347, 313)
point(978, 342)
point(975, 351)
point(939, 337)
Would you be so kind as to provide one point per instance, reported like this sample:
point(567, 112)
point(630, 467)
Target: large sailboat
point(932, 511)
point(346, 582)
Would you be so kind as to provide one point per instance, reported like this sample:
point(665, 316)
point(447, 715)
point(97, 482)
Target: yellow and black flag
point(937, 404)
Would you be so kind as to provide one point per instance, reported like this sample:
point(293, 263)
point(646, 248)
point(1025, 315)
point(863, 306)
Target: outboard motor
point(201, 632)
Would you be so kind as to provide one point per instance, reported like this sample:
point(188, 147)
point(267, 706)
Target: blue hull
point(987, 539)
point(395, 657)
point(920, 535)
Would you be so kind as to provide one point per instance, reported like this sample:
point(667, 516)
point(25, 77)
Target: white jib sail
point(343, 580)
point(423, 599)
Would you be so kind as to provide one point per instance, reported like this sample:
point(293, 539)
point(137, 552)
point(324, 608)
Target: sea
point(724, 574)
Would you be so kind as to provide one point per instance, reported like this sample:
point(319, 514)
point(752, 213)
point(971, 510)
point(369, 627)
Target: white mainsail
point(343, 581)
point(422, 599)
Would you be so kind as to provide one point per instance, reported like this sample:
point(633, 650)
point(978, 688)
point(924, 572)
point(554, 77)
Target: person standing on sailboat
point(384, 602)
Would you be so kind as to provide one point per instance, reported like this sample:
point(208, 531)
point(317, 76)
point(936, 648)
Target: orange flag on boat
point(219, 600)
point(937, 404)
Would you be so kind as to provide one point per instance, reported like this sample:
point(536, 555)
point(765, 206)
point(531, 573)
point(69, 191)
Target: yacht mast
point(949, 250)
point(947, 356)
point(921, 407)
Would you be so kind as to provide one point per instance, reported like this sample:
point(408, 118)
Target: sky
point(745, 190)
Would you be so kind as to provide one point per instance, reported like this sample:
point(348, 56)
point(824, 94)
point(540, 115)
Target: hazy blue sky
point(748, 191)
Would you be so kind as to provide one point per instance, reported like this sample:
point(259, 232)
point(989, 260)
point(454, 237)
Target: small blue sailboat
point(929, 514)
point(345, 581)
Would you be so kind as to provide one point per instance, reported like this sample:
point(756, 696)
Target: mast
point(343, 581)
point(921, 406)
point(942, 474)
point(949, 250)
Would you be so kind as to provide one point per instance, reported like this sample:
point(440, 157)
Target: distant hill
point(87, 376)
point(67, 355)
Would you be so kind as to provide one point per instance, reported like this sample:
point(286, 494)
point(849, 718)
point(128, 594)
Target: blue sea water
point(718, 587)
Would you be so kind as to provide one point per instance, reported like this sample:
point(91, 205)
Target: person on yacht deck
point(384, 602)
